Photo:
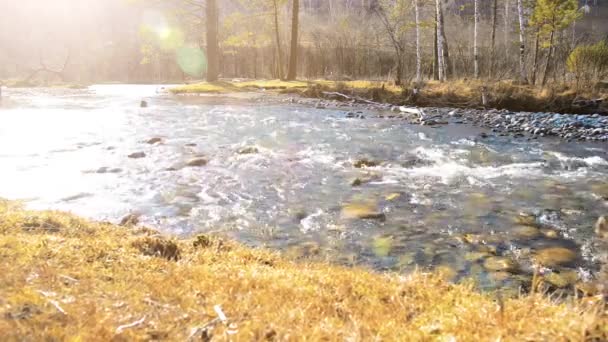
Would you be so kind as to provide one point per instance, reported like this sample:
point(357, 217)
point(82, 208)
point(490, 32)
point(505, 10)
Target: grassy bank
point(65, 278)
point(459, 93)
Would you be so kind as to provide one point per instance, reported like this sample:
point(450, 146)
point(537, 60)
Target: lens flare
point(192, 61)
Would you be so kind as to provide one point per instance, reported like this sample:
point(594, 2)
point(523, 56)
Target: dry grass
point(456, 93)
point(64, 278)
point(228, 87)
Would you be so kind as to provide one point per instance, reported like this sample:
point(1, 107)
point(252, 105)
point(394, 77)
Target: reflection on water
point(282, 175)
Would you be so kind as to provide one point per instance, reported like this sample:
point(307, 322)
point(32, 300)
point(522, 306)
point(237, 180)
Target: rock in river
point(361, 163)
point(555, 256)
point(497, 264)
point(362, 211)
point(248, 150)
point(155, 140)
point(526, 232)
point(137, 155)
point(197, 162)
point(601, 227)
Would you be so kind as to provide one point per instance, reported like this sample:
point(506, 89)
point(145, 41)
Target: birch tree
point(418, 47)
point(522, 41)
point(293, 54)
point(475, 40)
point(442, 53)
point(213, 58)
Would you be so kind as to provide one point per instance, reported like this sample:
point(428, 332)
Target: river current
point(284, 176)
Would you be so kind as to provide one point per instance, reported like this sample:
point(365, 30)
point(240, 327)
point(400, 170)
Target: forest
point(400, 41)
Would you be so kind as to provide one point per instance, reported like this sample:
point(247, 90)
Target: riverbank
point(68, 278)
point(518, 110)
point(467, 94)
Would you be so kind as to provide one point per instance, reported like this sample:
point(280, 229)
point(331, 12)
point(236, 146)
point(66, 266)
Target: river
point(444, 198)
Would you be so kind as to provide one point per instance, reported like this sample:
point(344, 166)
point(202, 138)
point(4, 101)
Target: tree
point(277, 33)
point(293, 57)
point(442, 45)
point(493, 38)
point(475, 40)
point(522, 41)
point(551, 16)
point(418, 47)
point(213, 50)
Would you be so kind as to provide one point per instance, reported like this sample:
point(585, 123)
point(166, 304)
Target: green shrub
point(589, 62)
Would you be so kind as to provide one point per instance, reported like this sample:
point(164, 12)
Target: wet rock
point(475, 256)
point(248, 150)
point(525, 219)
point(137, 155)
point(197, 162)
point(365, 179)
point(526, 232)
point(361, 163)
point(555, 256)
point(106, 169)
point(362, 211)
point(500, 276)
point(130, 220)
point(601, 227)
point(561, 279)
point(550, 233)
point(190, 145)
point(143, 104)
point(500, 264)
point(155, 140)
point(392, 197)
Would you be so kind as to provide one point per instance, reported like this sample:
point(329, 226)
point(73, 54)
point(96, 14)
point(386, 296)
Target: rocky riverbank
point(531, 125)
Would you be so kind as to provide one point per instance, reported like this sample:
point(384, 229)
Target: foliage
point(65, 278)
point(550, 16)
point(589, 62)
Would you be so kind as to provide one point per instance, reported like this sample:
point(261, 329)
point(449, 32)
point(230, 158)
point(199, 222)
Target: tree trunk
point(213, 58)
point(507, 26)
point(522, 41)
point(418, 47)
point(549, 56)
point(435, 51)
point(493, 39)
point(278, 39)
point(293, 57)
point(441, 44)
point(475, 41)
point(535, 63)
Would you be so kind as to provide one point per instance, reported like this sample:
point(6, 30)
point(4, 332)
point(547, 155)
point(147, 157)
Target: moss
point(95, 281)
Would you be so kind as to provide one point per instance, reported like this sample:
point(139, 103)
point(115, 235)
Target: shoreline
point(367, 96)
point(66, 277)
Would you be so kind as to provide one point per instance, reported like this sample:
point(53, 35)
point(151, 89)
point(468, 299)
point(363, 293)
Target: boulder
point(361, 163)
point(362, 211)
point(197, 162)
point(155, 140)
point(555, 256)
point(601, 227)
point(137, 155)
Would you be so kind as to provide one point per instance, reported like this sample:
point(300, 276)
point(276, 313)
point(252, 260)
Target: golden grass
point(65, 278)
point(460, 93)
point(228, 87)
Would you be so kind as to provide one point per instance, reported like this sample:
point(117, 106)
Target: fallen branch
point(121, 328)
point(350, 98)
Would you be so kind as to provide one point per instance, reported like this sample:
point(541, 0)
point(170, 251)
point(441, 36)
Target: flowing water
point(448, 198)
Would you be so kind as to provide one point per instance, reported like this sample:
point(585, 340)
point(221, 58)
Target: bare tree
point(213, 58)
point(475, 40)
point(293, 57)
point(493, 38)
point(441, 44)
point(418, 47)
point(278, 38)
point(522, 41)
